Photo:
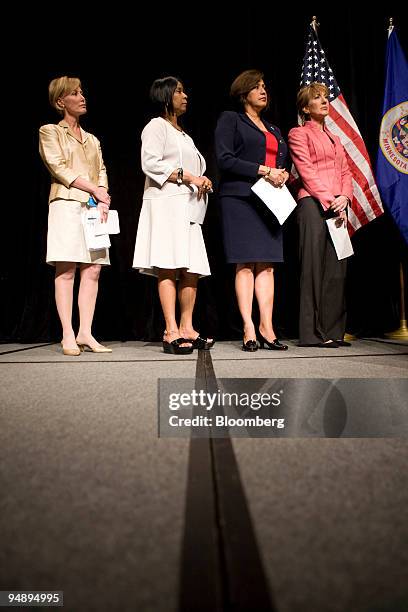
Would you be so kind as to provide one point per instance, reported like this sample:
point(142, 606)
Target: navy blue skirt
point(251, 232)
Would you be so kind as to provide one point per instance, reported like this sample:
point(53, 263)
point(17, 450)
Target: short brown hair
point(243, 84)
point(305, 94)
point(60, 87)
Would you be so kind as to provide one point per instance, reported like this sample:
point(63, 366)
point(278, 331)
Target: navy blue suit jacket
point(240, 148)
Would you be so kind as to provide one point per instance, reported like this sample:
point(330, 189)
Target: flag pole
point(390, 27)
point(402, 332)
point(314, 23)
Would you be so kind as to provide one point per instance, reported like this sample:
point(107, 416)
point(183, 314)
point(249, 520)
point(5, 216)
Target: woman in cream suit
point(326, 191)
point(169, 241)
point(74, 160)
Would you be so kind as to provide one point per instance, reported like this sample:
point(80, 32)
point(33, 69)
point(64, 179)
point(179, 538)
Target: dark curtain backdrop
point(117, 56)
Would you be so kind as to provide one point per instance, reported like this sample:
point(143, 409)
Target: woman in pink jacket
point(326, 191)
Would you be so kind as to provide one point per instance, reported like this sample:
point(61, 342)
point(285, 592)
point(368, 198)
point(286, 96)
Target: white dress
point(169, 233)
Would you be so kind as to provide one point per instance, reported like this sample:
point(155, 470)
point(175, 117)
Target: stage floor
point(95, 504)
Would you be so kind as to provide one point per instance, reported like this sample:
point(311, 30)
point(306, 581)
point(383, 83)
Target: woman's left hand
point(103, 211)
point(339, 204)
point(204, 185)
point(277, 176)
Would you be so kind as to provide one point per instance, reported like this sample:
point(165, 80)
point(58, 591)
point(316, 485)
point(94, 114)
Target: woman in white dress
point(74, 160)
point(169, 241)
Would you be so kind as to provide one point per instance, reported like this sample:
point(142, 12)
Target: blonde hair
point(305, 94)
point(60, 87)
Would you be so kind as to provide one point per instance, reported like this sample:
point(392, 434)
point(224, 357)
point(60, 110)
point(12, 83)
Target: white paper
point(90, 218)
point(197, 208)
point(277, 199)
point(341, 238)
point(110, 227)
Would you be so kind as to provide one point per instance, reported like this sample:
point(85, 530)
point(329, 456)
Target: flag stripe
point(354, 223)
point(361, 169)
point(341, 106)
point(342, 120)
point(361, 197)
point(373, 209)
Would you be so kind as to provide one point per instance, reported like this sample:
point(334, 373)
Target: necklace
point(176, 127)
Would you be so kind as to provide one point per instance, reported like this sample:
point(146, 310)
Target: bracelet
point(269, 171)
point(179, 179)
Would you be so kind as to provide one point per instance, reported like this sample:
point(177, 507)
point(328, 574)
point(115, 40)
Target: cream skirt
point(66, 240)
point(167, 239)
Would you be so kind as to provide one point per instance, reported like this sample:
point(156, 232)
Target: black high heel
point(250, 346)
point(274, 345)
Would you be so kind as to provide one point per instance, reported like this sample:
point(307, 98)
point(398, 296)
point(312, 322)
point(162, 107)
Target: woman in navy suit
point(248, 147)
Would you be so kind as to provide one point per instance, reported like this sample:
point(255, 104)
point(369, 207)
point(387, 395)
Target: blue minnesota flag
point(392, 161)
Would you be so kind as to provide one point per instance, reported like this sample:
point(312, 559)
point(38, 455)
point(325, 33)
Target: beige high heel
point(71, 352)
point(95, 349)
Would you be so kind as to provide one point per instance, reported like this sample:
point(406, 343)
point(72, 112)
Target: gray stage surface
point(94, 504)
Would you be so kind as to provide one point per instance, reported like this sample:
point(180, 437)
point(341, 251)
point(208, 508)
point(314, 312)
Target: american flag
point(366, 204)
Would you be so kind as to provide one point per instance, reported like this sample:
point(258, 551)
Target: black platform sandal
point(174, 347)
point(202, 343)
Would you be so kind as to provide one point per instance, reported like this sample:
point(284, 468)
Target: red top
point(271, 149)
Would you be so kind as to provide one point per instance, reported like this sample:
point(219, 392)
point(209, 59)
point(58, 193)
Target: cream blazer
point(162, 153)
point(67, 159)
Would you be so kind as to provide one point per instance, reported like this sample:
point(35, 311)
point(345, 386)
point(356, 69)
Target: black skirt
point(251, 232)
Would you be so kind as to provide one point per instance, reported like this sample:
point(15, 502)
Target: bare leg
point(187, 296)
point(244, 288)
point(88, 291)
point(264, 291)
point(187, 292)
point(167, 295)
point(64, 286)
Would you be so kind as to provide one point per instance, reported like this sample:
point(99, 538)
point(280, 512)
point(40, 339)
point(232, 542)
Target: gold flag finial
point(314, 23)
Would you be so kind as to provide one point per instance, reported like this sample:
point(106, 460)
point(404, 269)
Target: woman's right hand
point(341, 219)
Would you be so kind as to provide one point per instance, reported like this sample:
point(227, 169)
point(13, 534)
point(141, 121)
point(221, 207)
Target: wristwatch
point(179, 179)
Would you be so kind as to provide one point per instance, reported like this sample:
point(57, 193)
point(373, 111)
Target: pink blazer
point(321, 163)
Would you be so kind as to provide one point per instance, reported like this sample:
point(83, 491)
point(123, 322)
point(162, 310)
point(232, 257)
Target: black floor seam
point(27, 348)
point(215, 490)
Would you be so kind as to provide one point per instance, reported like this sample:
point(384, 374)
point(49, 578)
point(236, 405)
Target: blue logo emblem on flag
point(394, 137)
